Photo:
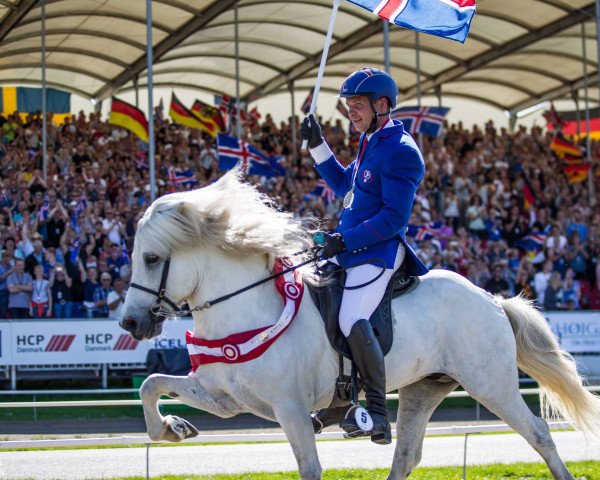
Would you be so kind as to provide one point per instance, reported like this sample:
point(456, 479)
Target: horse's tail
point(540, 356)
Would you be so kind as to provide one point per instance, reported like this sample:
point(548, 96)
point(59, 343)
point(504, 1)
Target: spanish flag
point(129, 117)
point(563, 147)
point(208, 113)
point(576, 173)
point(180, 114)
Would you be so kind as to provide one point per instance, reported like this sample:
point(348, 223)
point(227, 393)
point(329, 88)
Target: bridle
point(161, 312)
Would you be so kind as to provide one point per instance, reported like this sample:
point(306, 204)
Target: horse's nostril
point(129, 324)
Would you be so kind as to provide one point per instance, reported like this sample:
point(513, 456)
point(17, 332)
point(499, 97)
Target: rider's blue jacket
point(390, 170)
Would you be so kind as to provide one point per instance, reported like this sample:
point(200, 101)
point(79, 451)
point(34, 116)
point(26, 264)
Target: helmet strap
point(373, 127)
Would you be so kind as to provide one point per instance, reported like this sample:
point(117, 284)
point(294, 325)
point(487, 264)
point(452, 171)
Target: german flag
point(563, 147)
point(182, 115)
point(576, 173)
point(129, 117)
point(529, 198)
point(208, 113)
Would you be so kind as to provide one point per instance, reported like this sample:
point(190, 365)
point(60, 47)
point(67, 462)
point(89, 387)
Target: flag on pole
point(129, 117)
point(324, 191)
point(445, 18)
point(427, 120)
point(185, 177)
point(424, 232)
point(529, 198)
point(232, 151)
point(576, 173)
point(561, 147)
point(182, 115)
point(208, 113)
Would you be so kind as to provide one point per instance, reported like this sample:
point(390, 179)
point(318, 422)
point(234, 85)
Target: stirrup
point(357, 422)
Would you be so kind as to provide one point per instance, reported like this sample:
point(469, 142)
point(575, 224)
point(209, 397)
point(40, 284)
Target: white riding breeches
point(362, 302)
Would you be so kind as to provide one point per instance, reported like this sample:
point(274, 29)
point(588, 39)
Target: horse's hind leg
point(504, 400)
point(416, 404)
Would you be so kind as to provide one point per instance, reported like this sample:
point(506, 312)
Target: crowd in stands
point(65, 238)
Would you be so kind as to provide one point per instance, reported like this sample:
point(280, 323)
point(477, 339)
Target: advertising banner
point(578, 332)
point(81, 342)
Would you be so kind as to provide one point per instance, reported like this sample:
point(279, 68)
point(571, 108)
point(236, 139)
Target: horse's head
point(185, 237)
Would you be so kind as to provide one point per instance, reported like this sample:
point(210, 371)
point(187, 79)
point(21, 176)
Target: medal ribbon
point(359, 160)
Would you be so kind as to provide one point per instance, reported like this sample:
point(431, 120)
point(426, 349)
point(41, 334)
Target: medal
point(349, 198)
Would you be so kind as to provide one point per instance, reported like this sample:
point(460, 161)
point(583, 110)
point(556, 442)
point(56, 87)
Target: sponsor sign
point(94, 341)
point(578, 332)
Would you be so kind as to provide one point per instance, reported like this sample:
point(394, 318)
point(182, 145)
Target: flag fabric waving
point(324, 191)
point(427, 120)
point(183, 177)
point(424, 232)
point(445, 18)
point(576, 173)
point(561, 147)
point(532, 242)
point(182, 115)
point(529, 198)
point(129, 117)
point(232, 151)
point(208, 113)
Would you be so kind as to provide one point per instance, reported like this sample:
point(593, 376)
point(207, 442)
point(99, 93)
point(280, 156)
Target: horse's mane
point(230, 214)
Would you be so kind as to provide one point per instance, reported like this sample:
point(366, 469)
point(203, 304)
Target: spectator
point(19, 287)
point(6, 268)
point(540, 281)
point(101, 296)
point(37, 256)
point(553, 297)
point(41, 295)
point(116, 260)
point(498, 285)
point(89, 286)
point(116, 298)
point(60, 285)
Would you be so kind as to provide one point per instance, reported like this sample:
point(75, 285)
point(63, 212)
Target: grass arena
point(456, 446)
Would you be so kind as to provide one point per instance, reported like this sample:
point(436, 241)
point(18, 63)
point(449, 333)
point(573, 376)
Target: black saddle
point(327, 296)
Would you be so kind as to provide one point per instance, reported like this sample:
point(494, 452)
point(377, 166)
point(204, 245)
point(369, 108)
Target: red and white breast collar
point(245, 346)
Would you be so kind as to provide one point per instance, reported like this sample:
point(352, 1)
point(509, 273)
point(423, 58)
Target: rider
point(378, 190)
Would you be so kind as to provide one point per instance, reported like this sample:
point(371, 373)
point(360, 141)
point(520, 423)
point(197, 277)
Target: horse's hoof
point(178, 429)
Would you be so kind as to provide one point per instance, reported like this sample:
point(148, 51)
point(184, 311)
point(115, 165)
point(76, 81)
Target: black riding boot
point(368, 357)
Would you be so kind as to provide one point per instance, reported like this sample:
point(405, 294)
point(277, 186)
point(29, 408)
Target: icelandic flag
point(324, 191)
point(445, 18)
point(232, 151)
point(532, 242)
point(424, 232)
point(184, 177)
point(427, 120)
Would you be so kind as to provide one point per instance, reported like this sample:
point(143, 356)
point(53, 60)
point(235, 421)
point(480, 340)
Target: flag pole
point(418, 62)
point(313, 105)
point(44, 113)
point(149, 55)
point(588, 141)
point(386, 45)
point(238, 126)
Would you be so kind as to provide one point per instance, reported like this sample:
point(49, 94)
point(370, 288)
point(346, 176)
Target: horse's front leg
point(172, 428)
point(297, 426)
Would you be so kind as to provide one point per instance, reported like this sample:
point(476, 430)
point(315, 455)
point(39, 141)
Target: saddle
point(327, 296)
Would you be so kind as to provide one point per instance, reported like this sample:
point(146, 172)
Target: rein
point(160, 312)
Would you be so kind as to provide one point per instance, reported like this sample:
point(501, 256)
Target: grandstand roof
point(519, 52)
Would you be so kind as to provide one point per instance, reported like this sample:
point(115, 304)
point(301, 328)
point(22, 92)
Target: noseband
point(160, 312)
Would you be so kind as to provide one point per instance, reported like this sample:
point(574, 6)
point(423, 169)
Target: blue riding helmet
point(371, 83)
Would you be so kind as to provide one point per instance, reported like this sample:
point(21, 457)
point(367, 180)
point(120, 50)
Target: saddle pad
point(327, 296)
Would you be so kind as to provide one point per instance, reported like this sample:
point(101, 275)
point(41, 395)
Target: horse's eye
point(151, 259)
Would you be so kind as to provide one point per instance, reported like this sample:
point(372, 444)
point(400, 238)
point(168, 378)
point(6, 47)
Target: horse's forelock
point(229, 214)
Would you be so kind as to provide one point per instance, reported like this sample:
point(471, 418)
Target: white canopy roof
point(519, 52)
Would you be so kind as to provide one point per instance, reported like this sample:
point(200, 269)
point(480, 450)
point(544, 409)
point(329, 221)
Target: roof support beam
point(311, 62)
point(203, 18)
point(13, 18)
point(576, 17)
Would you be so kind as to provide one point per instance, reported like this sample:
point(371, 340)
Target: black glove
point(333, 245)
point(310, 130)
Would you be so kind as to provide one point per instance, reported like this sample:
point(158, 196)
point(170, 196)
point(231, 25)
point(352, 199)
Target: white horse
point(224, 237)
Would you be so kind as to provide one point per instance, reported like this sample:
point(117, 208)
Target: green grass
point(589, 470)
